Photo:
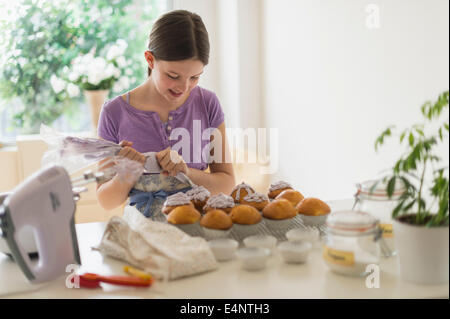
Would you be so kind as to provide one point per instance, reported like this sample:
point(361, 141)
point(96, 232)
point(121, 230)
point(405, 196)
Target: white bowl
point(223, 248)
point(253, 258)
point(306, 234)
point(313, 220)
point(263, 241)
point(295, 252)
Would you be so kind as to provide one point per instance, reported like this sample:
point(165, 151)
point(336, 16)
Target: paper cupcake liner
point(246, 230)
point(313, 220)
point(278, 224)
point(191, 229)
point(215, 233)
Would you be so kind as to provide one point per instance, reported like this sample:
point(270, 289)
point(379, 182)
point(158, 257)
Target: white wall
point(207, 11)
point(332, 84)
point(234, 72)
point(315, 71)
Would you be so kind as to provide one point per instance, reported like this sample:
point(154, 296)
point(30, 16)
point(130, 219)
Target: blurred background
point(328, 75)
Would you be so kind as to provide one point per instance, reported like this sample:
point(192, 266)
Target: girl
point(169, 99)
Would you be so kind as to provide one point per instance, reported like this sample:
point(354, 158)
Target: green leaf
point(411, 139)
point(380, 140)
point(391, 186)
point(410, 205)
point(425, 108)
point(420, 132)
point(422, 203)
point(446, 126)
point(402, 136)
point(397, 209)
point(398, 166)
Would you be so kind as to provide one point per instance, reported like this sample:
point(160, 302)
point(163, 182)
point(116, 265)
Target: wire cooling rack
point(263, 229)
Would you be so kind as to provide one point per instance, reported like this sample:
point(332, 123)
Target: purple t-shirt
point(186, 125)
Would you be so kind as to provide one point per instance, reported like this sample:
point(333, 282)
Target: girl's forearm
point(214, 182)
point(113, 193)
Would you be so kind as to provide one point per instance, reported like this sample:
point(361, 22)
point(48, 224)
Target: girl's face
point(174, 80)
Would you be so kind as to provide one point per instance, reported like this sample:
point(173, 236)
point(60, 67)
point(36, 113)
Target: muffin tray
point(279, 234)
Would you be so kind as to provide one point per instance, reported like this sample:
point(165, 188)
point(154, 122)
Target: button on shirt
point(184, 128)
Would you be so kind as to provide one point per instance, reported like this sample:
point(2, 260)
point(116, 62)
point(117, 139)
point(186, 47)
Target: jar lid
point(378, 188)
point(351, 220)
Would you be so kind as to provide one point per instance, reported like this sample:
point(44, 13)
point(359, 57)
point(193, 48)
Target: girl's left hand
point(171, 162)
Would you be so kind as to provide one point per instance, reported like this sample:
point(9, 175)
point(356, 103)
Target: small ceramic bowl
point(295, 252)
point(305, 234)
point(253, 258)
point(313, 220)
point(223, 248)
point(263, 241)
point(277, 224)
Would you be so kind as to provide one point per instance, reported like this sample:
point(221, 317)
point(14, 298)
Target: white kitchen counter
point(277, 280)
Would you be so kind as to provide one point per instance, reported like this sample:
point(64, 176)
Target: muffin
point(246, 219)
point(199, 195)
point(175, 200)
point(291, 195)
point(240, 191)
point(313, 211)
point(276, 188)
point(219, 201)
point(279, 213)
point(185, 218)
point(183, 215)
point(313, 207)
point(257, 200)
point(216, 224)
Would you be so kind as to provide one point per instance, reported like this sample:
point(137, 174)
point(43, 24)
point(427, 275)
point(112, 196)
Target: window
point(40, 40)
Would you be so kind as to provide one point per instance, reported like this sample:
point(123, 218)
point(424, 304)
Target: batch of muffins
point(243, 210)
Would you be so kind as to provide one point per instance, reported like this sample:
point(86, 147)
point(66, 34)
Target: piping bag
point(75, 153)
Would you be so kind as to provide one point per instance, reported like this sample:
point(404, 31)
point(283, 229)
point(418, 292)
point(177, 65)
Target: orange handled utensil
point(117, 280)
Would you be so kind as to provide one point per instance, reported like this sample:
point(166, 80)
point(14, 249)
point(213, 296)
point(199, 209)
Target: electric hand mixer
point(46, 202)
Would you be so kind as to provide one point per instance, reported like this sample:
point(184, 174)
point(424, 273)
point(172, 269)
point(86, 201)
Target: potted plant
point(421, 218)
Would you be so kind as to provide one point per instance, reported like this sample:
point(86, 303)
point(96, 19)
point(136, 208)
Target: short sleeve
point(215, 113)
point(107, 128)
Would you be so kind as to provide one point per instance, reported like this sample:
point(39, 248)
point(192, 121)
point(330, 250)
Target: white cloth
point(161, 249)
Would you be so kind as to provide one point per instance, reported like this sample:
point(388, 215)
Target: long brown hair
point(179, 35)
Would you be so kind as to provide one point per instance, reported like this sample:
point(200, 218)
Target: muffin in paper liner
point(210, 233)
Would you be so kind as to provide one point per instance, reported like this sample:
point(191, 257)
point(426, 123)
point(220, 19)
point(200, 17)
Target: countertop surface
point(278, 280)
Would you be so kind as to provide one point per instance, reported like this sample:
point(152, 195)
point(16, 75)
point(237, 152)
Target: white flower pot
point(95, 99)
point(422, 253)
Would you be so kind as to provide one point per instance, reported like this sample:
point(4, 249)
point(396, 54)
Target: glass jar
point(374, 200)
point(351, 242)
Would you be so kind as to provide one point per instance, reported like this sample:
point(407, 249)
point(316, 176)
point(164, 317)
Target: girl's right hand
point(129, 171)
